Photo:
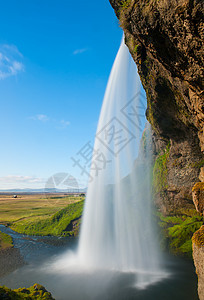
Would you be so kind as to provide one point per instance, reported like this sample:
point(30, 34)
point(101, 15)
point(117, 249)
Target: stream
point(39, 253)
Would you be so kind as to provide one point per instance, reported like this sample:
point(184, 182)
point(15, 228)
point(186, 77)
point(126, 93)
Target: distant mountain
point(47, 190)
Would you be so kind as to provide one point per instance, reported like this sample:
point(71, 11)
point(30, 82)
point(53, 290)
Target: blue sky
point(55, 59)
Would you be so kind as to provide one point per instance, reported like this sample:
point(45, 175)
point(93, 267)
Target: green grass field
point(40, 214)
point(60, 224)
point(32, 207)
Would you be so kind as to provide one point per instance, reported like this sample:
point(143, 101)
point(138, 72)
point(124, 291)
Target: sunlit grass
point(5, 241)
point(56, 225)
point(32, 207)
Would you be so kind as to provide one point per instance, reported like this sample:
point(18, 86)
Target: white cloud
point(19, 178)
point(40, 117)
point(10, 61)
point(79, 51)
point(12, 48)
point(64, 123)
point(20, 182)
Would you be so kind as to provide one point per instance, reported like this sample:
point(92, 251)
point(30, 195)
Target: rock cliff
point(198, 255)
point(165, 39)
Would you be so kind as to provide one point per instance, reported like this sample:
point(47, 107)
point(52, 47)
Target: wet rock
point(198, 196)
point(198, 256)
point(201, 176)
point(165, 39)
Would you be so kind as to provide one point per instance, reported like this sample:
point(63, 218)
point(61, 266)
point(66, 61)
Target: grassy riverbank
point(40, 214)
point(32, 207)
point(6, 241)
point(35, 292)
point(10, 257)
point(63, 223)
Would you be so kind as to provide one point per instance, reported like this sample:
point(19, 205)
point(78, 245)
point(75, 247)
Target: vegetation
point(199, 186)
point(144, 140)
point(32, 208)
point(5, 241)
point(125, 4)
point(60, 224)
point(40, 215)
point(135, 48)
point(37, 292)
point(199, 164)
point(198, 237)
point(178, 231)
point(160, 172)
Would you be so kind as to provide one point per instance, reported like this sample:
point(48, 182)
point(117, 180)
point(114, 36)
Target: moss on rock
point(199, 164)
point(198, 196)
point(199, 186)
point(160, 172)
point(198, 237)
point(178, 231)
point(37, 292)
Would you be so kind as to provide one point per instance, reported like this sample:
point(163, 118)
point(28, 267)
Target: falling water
point(117, 231)
point(117, 255)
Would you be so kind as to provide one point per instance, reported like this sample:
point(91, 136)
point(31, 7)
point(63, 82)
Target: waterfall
point(117, 231)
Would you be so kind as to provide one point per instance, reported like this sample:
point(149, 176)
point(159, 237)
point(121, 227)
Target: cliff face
point(165, 39)
point(198, 255)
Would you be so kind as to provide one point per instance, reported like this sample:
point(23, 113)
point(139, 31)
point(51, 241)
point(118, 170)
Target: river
point(40, 252)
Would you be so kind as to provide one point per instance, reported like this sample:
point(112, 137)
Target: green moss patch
point(135, 48)
point(199, 186)
point(125, 7)
point(5, 241)
point(178, 231)
point(60, 224)
point(125, 4)
point(35, 292)
point(199, 164)
point(160, 172)
point(198, 237)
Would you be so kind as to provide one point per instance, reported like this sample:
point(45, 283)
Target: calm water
point(39, 254)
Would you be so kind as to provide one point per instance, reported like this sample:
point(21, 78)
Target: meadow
point(29, 213)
